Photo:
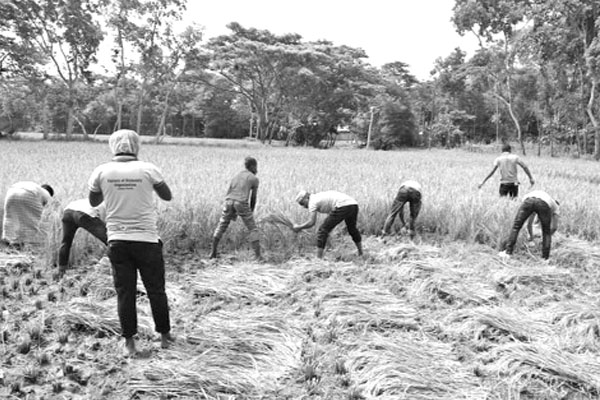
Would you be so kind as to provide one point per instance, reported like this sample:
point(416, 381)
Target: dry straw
point(406, 366)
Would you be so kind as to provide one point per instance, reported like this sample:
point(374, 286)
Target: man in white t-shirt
point(338, 207)
point(80, 214)
point(546, 208)
point(409, 192)
point(126, 185)
point(507, 163)
point(23, 207)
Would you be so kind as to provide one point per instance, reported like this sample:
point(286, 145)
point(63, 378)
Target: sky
point(416, 32)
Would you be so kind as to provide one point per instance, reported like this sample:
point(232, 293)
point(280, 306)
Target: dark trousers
point(348, 214)
point(73, 220)
point(404, 195)
point(532, 205)
point(509, 189)
point(126, 259)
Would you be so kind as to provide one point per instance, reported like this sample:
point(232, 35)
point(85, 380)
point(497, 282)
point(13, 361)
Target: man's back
point(241, 185)
point(507, 163)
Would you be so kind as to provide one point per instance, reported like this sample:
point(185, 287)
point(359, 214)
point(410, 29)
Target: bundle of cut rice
point(278, 218)
point(578, 324)
point(497, 325)
point(244, 282)
point(453, 288)
point(542, 275)
point(229, 353)
point(94, 316)
point(365, 307)
point(544, 361)
point(409, 367)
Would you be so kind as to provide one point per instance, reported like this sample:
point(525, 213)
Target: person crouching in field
point(80, 214)
point(126, 185)
point(509, 182)
point(240, 200)
point(23, 207)
point(546, 208)
point(409, 192)
point(338, 207)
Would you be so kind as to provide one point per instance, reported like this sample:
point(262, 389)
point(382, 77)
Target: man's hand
point(531, 182)
point(479, 186)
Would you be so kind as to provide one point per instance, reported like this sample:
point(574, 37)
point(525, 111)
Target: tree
point(65, 32)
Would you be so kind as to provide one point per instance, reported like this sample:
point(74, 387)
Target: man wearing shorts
point(507, 164)
point(240, 200)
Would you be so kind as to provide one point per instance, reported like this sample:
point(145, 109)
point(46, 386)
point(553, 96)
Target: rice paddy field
point(437, 317)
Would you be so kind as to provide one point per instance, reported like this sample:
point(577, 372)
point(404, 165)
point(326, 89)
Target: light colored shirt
point(31, 188)
point(411, 184)
point(507, 163)
point(540, 194)
point(326, 202)
point(23, 207)
point(127, 188)
point(241, 185)
point(84, 206)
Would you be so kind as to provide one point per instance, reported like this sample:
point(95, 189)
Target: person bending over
point(546, 208)
point(338, 207)
point(409, 192)
point(80, 214)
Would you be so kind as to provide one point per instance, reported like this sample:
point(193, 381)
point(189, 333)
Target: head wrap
point(124, 141)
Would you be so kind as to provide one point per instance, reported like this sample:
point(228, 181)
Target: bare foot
point(166, 339)
point(130, 350)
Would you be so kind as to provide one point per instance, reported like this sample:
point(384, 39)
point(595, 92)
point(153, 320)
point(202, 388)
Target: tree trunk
point(593, 120)
point(163, 117)
point(45, 117)
point(140, 109)
point(70, 121)
point(82, 126)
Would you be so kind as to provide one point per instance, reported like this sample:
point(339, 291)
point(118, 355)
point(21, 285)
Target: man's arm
point(163, 191)
point(308, 224)
point(554, 224)
point(253, 195)
point(488, 177)
point(95, 198)
point(526, 169)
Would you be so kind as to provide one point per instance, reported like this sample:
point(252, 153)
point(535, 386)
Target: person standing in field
point(80, 214)
point(409, 192)
point(546, 208)
point(338, 207)
point(126, 186)
point(23, 207)
point(507, 163)
point(240, 200)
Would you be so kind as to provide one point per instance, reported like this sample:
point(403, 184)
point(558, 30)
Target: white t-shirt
point(507, 163)
point(127, 188)
point(326, 202)
point(84, 206)
point(411, 184)
point(540, 194)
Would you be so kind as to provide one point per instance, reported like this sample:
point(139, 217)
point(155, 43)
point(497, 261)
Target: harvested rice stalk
point(546, 362)
point(365, 307)
point(454, 288)
point(97, 316)
point(497, 324)
point(278, 218)
point(534, 275)
point(408, 367)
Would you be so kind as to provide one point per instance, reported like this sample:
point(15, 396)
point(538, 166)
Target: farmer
point(540, 203)
point(240, 200)
point(338, 207)
point(23, 206)
point(409, 192)
point(507, 162)
point(80, 214)
point(125, 185)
